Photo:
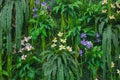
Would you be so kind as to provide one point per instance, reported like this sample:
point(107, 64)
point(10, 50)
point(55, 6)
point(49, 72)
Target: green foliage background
point(71, 17)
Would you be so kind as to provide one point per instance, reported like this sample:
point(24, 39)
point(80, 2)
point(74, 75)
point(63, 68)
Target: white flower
point(112, 64)
point(96, 79)
point(112, 5)
point(54, 40)
point(60, 34)
point(23, 57)
point(112, 17)
point(104, 11)
point(21, 50)
point(118, 4)
point(119, 56)
point(22, 42)
point(104, 2)
point(63, 40)
point(28, 47)
point(118, 11)
point(53, 45)
point(69, 48)
point(118, 71)
point(27, 38)
point(61, 47)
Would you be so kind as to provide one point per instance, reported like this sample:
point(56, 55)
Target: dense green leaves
point(73, 17)
point(10, 21)
point(59, 66)
point(11, 16)
point(19, 22)
point(8, 27)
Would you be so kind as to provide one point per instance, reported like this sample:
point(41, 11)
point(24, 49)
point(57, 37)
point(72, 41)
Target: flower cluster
point(60, 43)
point(86, 43)
point(114, 7)
point(25, 46)
point(35, 9)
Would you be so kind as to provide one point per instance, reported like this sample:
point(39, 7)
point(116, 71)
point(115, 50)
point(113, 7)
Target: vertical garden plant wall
point(59, 39)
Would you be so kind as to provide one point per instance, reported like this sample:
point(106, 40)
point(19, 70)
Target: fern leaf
point(108, 50)
point(54, 71)
point(9, 22)
point(101, 26)
point(3, 17)
point(116, 43)
point(60, 74)
point(26, 9)
point(19, 22)
point(104, 40)
point(0, 36)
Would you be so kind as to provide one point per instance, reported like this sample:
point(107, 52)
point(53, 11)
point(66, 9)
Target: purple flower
point(98, 40)
point(43, 3)
point(80, 52)
point(83, 42)
point(97, 35)
point(34, 9)
point(83, 35)
point(35, 15)
point(48, 7)
point(37, 2)
point(89, 44)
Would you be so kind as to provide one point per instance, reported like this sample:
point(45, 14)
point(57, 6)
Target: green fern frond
point(104, 44)
point(9, 23)
point(116, 43)
point(26, 7)
point(1, 2)
point(60, 72)
point(19, 22)
point(108, 50)
point(0, 36)
point(4, 17)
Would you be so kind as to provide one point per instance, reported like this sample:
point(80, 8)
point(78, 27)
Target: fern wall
point(13, 13)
